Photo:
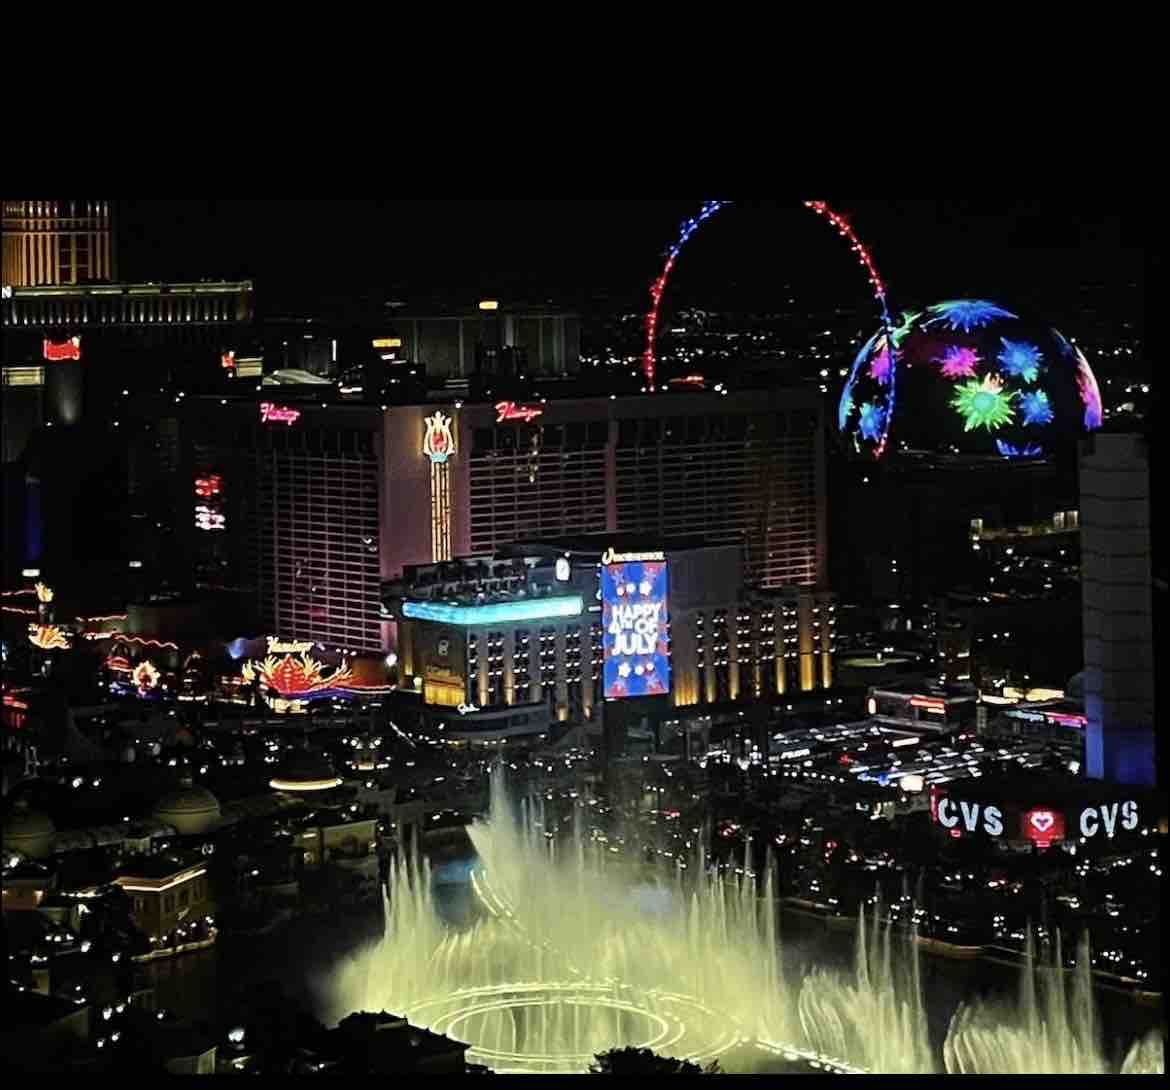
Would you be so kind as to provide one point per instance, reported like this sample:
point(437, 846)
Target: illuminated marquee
point(610, 557)
point(1043, 825)
point(63, 350)
point(951, 813)
point(509, 410)
point(1095, 819)
point(277, 646)
point(528, 609)
point(295, 677)
point(387, 342)
point(438, 442)
point(278, 414)
point(48, 637)
point(929, 704)
point(634, 617)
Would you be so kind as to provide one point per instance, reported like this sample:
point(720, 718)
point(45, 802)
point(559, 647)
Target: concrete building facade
point(1118, 608)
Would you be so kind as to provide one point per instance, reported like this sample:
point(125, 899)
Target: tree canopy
point(641, 1061)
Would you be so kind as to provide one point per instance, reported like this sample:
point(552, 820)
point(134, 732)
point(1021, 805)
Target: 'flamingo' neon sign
point(278, 414)
point(509, 410)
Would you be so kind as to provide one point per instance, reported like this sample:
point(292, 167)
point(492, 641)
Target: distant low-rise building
point(42, 1032)
point(385, 1044)
point(923, 706)
point(172, 898)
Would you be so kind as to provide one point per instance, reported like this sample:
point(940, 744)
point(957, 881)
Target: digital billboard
point(634, 616)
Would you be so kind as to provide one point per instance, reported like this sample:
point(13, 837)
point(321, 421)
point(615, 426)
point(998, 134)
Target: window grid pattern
point(697, 476)
point(532, 491)
point(317, 556)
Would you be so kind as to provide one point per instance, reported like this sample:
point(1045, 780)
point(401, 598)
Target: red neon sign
point(65, 350)
point(228, 360)
point(1065, 720)
point(278, 414)
point(509, 410)
point(928, 703)
point(692, 380)
point(209, 485)
point(1042, 826)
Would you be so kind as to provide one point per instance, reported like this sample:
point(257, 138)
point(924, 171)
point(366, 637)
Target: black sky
point(582, 252)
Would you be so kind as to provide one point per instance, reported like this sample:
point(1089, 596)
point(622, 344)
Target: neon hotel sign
point(278, 414)
point(509, 410)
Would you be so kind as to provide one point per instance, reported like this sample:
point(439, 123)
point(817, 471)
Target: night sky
point(604, 253)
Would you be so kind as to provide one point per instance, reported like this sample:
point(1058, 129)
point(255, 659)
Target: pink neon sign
point(509, 410)
point(278, 414)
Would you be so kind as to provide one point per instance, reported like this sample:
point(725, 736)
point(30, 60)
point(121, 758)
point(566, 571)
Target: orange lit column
point(439, 445)
point(804, 622)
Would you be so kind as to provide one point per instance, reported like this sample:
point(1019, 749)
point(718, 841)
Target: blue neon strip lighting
point(532, 609)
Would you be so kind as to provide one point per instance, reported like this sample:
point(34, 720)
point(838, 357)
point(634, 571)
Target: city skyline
point(452, 637)
point(581, 249)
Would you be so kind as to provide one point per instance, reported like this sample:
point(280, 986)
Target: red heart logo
point(1043, 820)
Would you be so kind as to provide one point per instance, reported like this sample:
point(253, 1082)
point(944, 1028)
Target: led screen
point(968, 376)
point(634, 614)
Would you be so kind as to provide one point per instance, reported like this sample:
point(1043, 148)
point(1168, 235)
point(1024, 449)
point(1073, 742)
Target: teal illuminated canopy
point(524, 609)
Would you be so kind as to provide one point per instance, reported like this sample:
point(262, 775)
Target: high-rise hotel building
point(56, 242)
point(322, 501)
point(505, 644)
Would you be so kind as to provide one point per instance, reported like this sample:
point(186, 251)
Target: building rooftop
point(1036, 788)
point(208, 287)
point(597, 543)
point(29, 1009)
point(919, 686)
point(156, 867)
point(367, 1026)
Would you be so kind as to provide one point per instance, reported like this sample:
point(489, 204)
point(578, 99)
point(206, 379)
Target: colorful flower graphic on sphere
point(1035, 407)
point(959, 361)
point(845, 408)
point(1089, 391)
point(1010, 450)
point(873, 417)
point(1021, 359)
point(879, 366)
point(983, 404)
point(899, 332)
point(966, 314)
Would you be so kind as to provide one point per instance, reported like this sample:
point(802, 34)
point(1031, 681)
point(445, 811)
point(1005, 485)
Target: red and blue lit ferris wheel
point(860, 250)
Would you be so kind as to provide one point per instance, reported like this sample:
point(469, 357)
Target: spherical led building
point(969, 377)
point(189, 810)
point(28, 831)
